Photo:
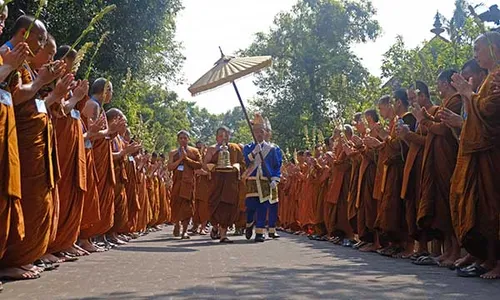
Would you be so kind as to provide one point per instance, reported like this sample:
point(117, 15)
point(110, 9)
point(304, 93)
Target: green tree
point(314, 75)
point(403, 65)
point(141, 45)
point(142, 34)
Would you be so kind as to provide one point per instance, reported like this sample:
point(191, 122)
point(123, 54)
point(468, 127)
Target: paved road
point(161, 267)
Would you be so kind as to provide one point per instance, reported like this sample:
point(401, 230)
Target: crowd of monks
point(72, 178)
point(416, 183)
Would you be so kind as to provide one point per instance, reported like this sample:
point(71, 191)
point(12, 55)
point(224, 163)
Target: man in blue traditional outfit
point(272, 216)
point(262, 178)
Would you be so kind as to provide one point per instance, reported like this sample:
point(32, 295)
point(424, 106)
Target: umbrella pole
point(250, 125)
point(244, 111)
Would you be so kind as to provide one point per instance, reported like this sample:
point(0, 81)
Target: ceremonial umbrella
point(226, 70)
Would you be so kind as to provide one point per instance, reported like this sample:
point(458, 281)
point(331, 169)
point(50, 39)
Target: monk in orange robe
point(121, 151)
point(162, 191)
point(366, 203)
point(153, 196)
point(241, 221)
point(419, 97)
point(39, 167)
point(72, 160)
point(182, 162)
point(91, 211)
point(473, 73)
point(224, 194)
point(11, 215)
point(295, 181)
point(143, 218)
point(308, 194)
point(352, 211)
point(341, 175)
point(474, 191)
point(439, 159)
point(101, 93)
point(301, 171)
point(131, 188)
point(202, 193)
point(390, 218)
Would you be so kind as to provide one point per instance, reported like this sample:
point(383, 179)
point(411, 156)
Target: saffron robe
point(475, 192)
point(183, 188)
point(39, 175)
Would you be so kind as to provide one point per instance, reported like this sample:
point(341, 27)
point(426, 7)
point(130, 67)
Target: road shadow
point(164, 249)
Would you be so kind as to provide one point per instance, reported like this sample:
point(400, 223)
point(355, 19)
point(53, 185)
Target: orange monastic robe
point(391, 218)
point(162, 192)
point(366, 204)
point(131, 189)
point(341, 176)
point(440, 157)
point(352, 210)
point(307, 196)
point(73, 161)
point(120, 224)
point(183, 188)
point(293, 199)
point(203, 187)
point(103, 160)
point(11, 214)
point(475, 191)
point(412, 175)
point(144, 213)
point(154, 203)
point(39, 174)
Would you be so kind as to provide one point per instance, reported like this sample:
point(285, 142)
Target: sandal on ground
point(226, 241)
point(425, 261)
point(359, 245)
point(417, 255)
point(473, 270)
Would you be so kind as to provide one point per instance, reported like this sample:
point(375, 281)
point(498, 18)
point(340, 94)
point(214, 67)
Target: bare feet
point(406, 254)
point(493, 274)
point(88, 246)
point(18, 274)
point(51, 258)
point(185, 236)
point(369, 248)
point(76, 251)
point(465, 261)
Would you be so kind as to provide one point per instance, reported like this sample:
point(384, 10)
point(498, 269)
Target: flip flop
point(417, 255)
point(11, 278)
point(359, 245)
point(472, 271)
point(425, 261)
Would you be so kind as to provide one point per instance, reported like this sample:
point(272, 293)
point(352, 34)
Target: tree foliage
point(139, 56)
point(314, 75)
point(402, 65)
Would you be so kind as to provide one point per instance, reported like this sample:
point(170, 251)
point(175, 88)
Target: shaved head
point(492, 37)
point(487, 50)
point(37, 38)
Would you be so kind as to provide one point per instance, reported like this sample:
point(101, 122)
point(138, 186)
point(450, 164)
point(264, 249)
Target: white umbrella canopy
point(227, 69)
